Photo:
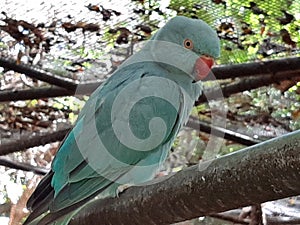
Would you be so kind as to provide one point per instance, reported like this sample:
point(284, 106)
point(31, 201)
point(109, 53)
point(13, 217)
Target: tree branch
point(47, 92)
point(34, 93)
point(281, 220)
point(39, 74)
point(31, 141)
point(260, 173)
point(5, 208)
point(26, 142)
point(22, 166)
point(221, 132)
point(257, 68)
point(245, 84)
point(271, 220)
point(283, 69)
point(226, 217)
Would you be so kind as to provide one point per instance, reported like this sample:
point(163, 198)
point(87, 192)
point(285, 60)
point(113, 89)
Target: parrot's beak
point(202, 67)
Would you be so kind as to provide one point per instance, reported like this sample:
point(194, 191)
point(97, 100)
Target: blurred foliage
point(249, 30)
point(247, 33)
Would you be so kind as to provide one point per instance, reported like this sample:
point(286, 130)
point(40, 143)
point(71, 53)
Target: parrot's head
point(188, 44)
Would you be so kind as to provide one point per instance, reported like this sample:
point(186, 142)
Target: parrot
point(126, 128)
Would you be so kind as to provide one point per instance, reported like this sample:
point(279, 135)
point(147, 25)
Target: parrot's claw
point(122, 188)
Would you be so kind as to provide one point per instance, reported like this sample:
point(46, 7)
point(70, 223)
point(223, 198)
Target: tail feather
point(39, 209)
point(40, 200)
point(65, 214)
point(57, 219)
point(41, 192)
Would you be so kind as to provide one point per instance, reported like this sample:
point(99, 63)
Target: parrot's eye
point(188, 44)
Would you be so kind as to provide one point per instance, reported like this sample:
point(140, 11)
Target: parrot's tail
point(43, 197)
point(40, 200)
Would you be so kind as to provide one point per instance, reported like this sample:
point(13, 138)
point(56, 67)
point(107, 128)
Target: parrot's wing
point(93, 160)
point(99, 159)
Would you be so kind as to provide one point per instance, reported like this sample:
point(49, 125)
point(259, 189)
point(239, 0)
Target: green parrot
point(126, 128)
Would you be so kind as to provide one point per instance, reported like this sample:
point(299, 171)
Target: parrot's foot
point(122, 188)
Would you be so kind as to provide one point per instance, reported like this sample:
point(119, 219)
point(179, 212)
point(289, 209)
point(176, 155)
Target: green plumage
point(124, 132)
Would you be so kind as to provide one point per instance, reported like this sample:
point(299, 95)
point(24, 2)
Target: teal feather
point(125, 130)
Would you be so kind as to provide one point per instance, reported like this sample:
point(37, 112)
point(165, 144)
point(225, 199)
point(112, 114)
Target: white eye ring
point(188, 44)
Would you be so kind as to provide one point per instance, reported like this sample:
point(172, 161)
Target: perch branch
point(256, 174)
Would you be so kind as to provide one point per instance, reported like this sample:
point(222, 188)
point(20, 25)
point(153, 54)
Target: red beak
point(202, 67)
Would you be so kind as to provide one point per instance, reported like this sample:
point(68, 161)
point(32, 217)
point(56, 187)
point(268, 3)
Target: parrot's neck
point(181, 78)
point(171, 69)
